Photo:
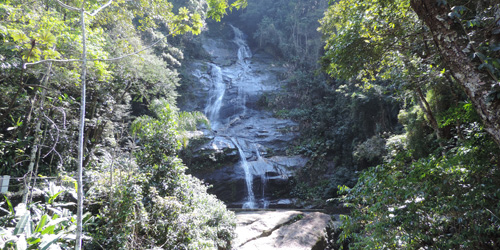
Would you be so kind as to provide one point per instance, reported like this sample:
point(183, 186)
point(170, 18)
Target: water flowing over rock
point(228, 87)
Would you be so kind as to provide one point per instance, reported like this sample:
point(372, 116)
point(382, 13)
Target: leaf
point(480, 55)
point(41, 224)
point(57, 221)
point(48, 38)
point(23, 224)
point(459, 9)
point(19, 36)
point(33, 240)
point(11, 209)
point(495, 47)
point(48, 240)
point(49, 230)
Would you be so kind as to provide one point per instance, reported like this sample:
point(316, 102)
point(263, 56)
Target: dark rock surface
point(227, 87)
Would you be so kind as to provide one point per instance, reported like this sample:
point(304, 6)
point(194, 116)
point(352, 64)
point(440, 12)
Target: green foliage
point(158, 136)
point(464, 113)
point(362, 34)
point(419, 137)
point(161, 135)
point(218, 8)
point(445, 202)
point(286, 29)
point(40, 226)
point(370, 152)
point(153, 203)
point(48, 94)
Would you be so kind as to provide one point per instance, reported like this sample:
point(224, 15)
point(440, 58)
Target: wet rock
point(230, 97)
point(209, 153)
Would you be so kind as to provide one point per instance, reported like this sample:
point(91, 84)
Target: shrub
point(446, 201)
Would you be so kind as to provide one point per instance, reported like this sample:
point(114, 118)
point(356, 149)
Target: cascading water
point(263, 180)
point(227, 109)
point(248, 176)
point(244, 51)
point(242, 101)
point(216, 95)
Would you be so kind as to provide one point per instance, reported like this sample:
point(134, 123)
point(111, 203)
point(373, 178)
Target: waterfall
point(241, 83)
point(216, 95)
point(263, 179)
point(248, 176)
point(243, 49)
point(242, 100)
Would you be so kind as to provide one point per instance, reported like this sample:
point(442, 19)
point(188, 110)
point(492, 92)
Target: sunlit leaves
point(217, 9)
point(362, 36)
point(186, 22)
point(19, 36)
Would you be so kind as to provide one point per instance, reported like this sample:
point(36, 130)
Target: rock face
point(243, 155)
point(291, 230)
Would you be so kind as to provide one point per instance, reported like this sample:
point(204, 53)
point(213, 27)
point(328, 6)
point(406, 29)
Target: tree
point(460, 30)
point(403, 43)
point(444, 55)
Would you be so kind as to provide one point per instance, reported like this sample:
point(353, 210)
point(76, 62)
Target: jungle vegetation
point(88, 106)
point(398, 104)
point(437, 186)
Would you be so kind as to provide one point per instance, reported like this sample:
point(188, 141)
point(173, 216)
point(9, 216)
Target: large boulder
point(291, 230)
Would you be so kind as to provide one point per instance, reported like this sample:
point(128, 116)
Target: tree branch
point(51, 60)
point(67, 6)
point(101, 8)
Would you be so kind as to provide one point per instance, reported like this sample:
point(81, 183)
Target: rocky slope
point(243, 154)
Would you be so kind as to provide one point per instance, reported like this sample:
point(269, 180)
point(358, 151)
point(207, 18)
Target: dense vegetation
point(137, 193)
point(437, 185)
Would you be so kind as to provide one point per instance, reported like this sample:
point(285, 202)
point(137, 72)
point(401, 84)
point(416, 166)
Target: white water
point(244, 51)
point(241, 77)
point(242, 100)
point(248, 176)
point(263, 179)
point(216, 95)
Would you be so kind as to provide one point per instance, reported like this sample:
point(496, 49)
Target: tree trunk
point(79, 213)
point(451, 41)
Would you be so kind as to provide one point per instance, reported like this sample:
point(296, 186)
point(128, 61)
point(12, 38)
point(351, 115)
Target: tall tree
point(415, 43)
point(452, 26)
